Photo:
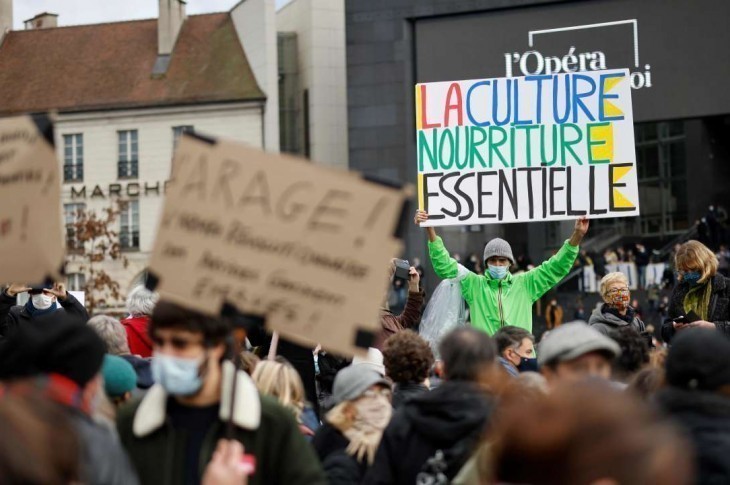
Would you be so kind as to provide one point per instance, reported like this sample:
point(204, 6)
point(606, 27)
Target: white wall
point(255, 23)
point(241, 122)
point(320, 28)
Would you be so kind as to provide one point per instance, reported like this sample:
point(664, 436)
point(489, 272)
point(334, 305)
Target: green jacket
point(495, 303)
point(266, 430)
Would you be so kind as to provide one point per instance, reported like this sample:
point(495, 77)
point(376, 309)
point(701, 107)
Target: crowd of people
point(172, 395)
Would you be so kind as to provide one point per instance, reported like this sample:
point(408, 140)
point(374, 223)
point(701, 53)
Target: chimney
point(6, 17)
point(172, 16)
point(43, 20)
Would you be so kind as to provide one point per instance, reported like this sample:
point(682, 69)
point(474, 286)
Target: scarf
point(628, 318)
point(697, 299)
point(365, 432)
point(35, 312)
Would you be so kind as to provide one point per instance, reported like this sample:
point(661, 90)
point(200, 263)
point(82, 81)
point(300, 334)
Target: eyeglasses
point(383, 391)
point(177, 343)
point(614, 291)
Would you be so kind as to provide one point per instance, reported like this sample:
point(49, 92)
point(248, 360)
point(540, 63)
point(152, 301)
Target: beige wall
point(320, 28)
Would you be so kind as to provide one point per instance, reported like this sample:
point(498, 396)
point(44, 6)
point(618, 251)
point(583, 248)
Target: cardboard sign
point(31, 234)
point(535, 148)
point(273, 235)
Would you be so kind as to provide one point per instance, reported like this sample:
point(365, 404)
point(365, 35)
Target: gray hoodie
point(604, 322)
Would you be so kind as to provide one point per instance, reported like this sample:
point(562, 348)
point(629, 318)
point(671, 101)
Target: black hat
point(699, 359)
point(57, 343)
point(39, 287)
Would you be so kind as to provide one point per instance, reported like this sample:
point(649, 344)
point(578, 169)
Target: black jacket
point(432, 434)
point(339, 467)
point(12, 315)
point(719, 312)
point(705, 417)
point(405, 392)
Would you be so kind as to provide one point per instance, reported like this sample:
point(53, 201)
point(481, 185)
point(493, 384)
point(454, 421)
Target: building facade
point(676, 53)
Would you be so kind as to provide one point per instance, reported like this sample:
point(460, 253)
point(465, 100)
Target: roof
point(110, 66)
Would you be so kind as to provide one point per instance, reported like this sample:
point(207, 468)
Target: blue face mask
point(527, 365)
point(498, 272)
point(691, 277)
point(178, 376)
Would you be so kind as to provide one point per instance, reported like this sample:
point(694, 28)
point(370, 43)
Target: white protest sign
point(31, 235)
point(304, 245)
point(535, 148)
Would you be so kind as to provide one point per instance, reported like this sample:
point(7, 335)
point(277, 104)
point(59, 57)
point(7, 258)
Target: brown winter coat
point(409, 319)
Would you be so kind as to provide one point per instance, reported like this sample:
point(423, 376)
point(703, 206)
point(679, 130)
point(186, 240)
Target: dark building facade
point(676, 50)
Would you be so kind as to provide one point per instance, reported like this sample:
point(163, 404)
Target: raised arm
point(443, 264)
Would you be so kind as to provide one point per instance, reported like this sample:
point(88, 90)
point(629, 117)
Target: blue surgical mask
point(527, 365)
point(177, 375)
point(691, 277)
point(498, 272)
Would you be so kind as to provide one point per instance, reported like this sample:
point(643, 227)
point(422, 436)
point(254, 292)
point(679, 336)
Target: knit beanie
point(119, 376)
point(500, 248)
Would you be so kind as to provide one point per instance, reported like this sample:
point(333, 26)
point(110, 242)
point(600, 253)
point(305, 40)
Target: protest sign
point(304, 245)
point(31, 234)
point(535, 148)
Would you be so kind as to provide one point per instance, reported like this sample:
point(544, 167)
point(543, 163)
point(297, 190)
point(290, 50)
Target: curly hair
point(634, 352)
point(407, 357)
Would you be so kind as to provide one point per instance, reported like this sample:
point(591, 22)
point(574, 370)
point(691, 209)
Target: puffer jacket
point(605, 321)
point(496, 303)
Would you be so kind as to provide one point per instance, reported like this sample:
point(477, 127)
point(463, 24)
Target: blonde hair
point(279, 379)
point(609, 279)
point(694, 254)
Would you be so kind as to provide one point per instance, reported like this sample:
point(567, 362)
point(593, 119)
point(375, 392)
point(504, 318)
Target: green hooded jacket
point(495, 303)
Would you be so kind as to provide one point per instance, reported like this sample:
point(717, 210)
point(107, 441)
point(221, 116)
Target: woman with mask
point(347, 442)
point(45, 299)
point(701, 298)
point(499, 298)
point(615, 311)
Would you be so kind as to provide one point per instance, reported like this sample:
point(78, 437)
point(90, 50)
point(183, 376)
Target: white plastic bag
point(445, 311)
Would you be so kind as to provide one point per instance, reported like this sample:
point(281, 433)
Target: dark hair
point(172, 316)
point(465, 352)
point(511, 336)
point(634, 352)
point(407, 357)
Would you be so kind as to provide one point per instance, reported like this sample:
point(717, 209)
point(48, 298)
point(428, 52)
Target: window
point(71, 214)
point(128, 154)
point(76, 282)
point(129, 226)
point(177, 132)
point(73, 157)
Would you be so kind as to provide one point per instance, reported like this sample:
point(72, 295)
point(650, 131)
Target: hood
point(450, 412)
point(701, 403)
point(598, 316)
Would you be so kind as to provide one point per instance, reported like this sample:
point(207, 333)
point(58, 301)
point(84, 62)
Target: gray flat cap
point(353, 380)
point(571, 340)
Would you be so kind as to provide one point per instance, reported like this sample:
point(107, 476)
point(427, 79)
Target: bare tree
point(91, 239)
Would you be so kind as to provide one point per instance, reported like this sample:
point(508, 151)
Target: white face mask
point(41, 301)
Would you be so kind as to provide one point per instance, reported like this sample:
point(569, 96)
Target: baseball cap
point(353, 380)
point(571, 340)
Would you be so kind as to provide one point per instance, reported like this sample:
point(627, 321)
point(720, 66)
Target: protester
point(615, 311)
point(328, 365)
point(347, 441)
point(698, 376)
point(575, 351)
point(701, 291)
point(633, 356)
point(434, 433)
point(61, 358)
point(45, 299)
point(114, 336)
point(553, 315)
point(411, 315)
point(585, 433)
point(140, 304)
point(188, 410)
point(498, 298)
point(38, 445)
point(516, 348)
point(278, 379)
point(408, 360)
point(120, 379)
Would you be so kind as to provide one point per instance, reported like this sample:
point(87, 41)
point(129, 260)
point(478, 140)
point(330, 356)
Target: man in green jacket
point(171, 434)
point(499, 298)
